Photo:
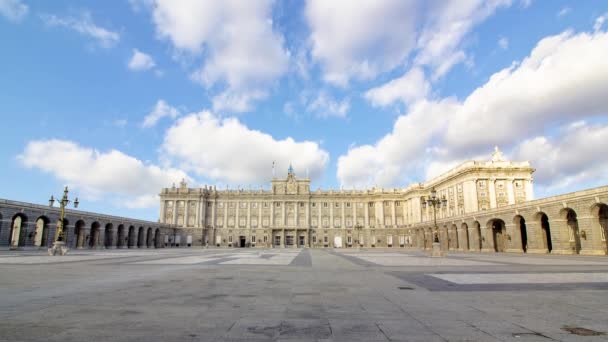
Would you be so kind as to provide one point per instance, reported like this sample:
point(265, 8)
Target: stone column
point(272, 223)
point(510, 191)
point(248, 222)
point(297, 215)
point(162, 212)
point(393, 215)
point(513, 238)
point(225, 225)
point(536, 237)
point(237, 219)
point(343, 222)
point(486, 240)
point(492, 192)
point(331, 214)
point(186, 212)
point(366, 223)
point(283, 212)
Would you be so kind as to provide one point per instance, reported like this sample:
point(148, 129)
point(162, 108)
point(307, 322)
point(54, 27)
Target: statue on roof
point(497, 156)
point(290, 170)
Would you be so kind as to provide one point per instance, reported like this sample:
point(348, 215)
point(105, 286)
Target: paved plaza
point(300, 295)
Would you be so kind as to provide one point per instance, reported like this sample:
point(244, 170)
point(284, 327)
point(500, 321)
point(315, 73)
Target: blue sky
point(118, 99)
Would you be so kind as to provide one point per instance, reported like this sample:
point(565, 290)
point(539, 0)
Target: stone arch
point(18, 230)
point(157, 238)
point(466, 241)
point(131, 238)
point(149, 238)
point(108, 235)
point(120, 236)
point(94, 235)
point(574, 237)
point(79, 234)
point(545, 230)
point(140, 237)
point(456, 240)
point(499, 234)
point(599, 212)
point(521, 230)
point(41, 234)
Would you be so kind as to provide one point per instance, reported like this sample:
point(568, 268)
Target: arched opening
point(79, 232)
point(499, 232)
point(573, 231)
point(120, 239)
point(94, 235)
point(456, 238)
point(602, 216)
point(108, 236)
point(131, 238)
point(477, 228)
point(42, 232)
point(521, 229)
point(157, 238)
point(149, 238)
point(17, 234)
point(140, 237)
point(545, 231)
point(465, 229)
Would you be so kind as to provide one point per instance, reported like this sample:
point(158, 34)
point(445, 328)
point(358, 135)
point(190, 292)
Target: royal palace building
point(290, 214)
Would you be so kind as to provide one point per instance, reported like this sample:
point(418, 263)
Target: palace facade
point(290, 214)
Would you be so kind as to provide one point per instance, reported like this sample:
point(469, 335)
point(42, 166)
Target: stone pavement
point(300, 295)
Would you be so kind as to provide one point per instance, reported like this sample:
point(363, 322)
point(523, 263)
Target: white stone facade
point(291, 215)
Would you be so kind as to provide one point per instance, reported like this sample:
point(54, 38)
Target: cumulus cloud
point(363, 39)
point(326, 106)
point(13, 10)
point(570, 158)
point(503, 43)
point(100, 174)
point(161, 109)
point(85, 26)
point(407, 88)
point(360, 39)
point(562, 80)
point(226, 150)
point(141, 61)
point(243, 54)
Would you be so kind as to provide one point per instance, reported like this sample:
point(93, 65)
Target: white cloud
point(99, 174)
point(326, 106)
point(387, 162)
point(226, 150)
point(243, 54)
point(571, 158)
point(14, 10)
point(85, 26)
point(141, 61)
point(161, 109)
point(448, 23)
point(407, 88)
point(562, 12)
point(599, 22)
point(503, 42)
point(562, 80)
point(360, 39)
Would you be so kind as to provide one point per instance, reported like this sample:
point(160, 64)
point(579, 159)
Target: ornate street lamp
point(436, 203)
point(59, 244)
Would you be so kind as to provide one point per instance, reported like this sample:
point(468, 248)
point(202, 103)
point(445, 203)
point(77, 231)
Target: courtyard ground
point(300, 295)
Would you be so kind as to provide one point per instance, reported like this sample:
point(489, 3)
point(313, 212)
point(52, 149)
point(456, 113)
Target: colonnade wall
point(573, 223)
point(28, 225)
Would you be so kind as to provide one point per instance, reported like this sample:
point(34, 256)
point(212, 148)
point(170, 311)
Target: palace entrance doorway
point(289, 240)
point(242, 241)
point(301, 241)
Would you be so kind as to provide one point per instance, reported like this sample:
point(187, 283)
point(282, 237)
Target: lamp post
point(436, 203)
point(59, 244)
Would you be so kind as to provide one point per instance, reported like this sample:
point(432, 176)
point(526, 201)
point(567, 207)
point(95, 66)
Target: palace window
point(349, 239)
point(314, 204)
point(243, 205)
point(253, 238)
point(398, 203)
point(230, 238)
point(231, 205)
point(348, 204)
point(265, 204)
point(359, 205)
point(371, 204)
point(254, 205)
point(325, 205)
point(337, 205)
point(518, 184)
point(314, 239)
point(220, 205)
point(208, 204)
point(482, 184)
point(301, 204)
point(265, 238)
point(325, 239)
point(278, 204)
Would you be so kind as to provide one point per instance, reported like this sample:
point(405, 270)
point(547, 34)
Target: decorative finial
point(290, 170)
